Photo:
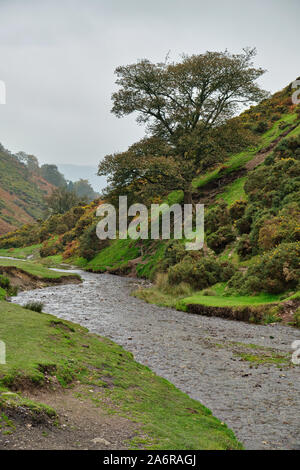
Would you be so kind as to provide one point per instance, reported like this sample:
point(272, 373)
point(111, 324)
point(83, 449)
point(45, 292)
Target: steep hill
point(22, 193)
point(249, 267)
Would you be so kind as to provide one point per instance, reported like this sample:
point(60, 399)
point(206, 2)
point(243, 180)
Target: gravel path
point(202, 356)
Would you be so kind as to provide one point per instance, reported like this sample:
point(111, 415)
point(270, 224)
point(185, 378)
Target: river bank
point(242, 372)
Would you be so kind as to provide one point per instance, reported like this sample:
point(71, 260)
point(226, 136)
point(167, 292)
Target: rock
point(100, 440)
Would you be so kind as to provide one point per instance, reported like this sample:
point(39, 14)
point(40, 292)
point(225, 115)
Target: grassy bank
point(21, 253)
point(40, 347)
point(34, 269)
point(261, 308)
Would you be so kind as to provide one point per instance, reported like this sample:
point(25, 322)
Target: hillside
point(22, 193)
point(251, 253)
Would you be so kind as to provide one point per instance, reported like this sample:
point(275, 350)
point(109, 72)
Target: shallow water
point(261, 405)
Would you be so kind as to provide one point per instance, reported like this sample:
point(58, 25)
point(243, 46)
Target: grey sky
point(58, 57)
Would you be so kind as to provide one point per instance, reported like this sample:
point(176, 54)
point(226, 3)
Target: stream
point(200, 355)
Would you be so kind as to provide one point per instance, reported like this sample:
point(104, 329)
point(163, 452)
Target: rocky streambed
point(242, 372)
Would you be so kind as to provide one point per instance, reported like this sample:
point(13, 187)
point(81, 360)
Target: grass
point(260, 359)
point(153, 295)
point(34, 269)
point(180, 296)
point(163, 294)
point(40, 343)
point(116, 254)
point(9, 400)
point(151, 261)
point(21, 253)
point(237, 161)
point(2, 293)
point(256, 354)
point(236, 301)
point(234, 191)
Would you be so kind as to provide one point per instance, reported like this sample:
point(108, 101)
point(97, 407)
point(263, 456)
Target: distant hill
point(76, 172)
point(22, 192)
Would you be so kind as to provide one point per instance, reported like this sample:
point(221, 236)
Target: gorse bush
point(200, 274)
point(218, 240)
point(237, 210)
point(217, 217)
point(174, 253)
point(276, 271)
point(244, 247)
point(283, 228)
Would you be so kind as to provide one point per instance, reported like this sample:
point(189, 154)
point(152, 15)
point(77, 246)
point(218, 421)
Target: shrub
point(276, 271)
point(4, 282)
point(200, 274)
point(261, 127)
point(244, 247)
point(174, 253)
point(90, 244)
point(283, 228)
point(217, 241)
point(50, 248)
point(209, 292)
point(180, 290)
point(71, 249)
point(243, 225)
point(217, 217)
point(237, 209)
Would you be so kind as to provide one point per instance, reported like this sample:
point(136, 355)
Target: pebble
point(260, 404)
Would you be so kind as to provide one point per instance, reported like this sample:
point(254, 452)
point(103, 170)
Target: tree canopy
point(186, 107)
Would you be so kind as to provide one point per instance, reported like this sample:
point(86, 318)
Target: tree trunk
point(188, 196)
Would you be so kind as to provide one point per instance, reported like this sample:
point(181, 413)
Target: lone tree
point(183, 103)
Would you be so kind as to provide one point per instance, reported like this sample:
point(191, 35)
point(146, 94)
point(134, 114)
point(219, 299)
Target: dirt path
point(205, 357)
point(216, 187)
point(82, 424)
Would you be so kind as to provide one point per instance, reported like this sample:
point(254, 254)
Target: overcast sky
point(58, 59)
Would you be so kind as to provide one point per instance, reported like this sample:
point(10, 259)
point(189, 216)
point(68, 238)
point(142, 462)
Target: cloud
point(58, 60)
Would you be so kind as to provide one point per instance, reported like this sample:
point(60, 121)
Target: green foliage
point(34, 306)
point(244, 248)
point(50, 247)
point(6, 289)
point(234, 192)
point(216, 217)
point(276, 271)
point(62, 200)
point(201, 273)
point(237, 209)
point(174, 253)
point(35, 269)
point(297, 318)
point(4, 282)
point(218, 240)
point(89, 244)
point(51, 174)
point(83, 189)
